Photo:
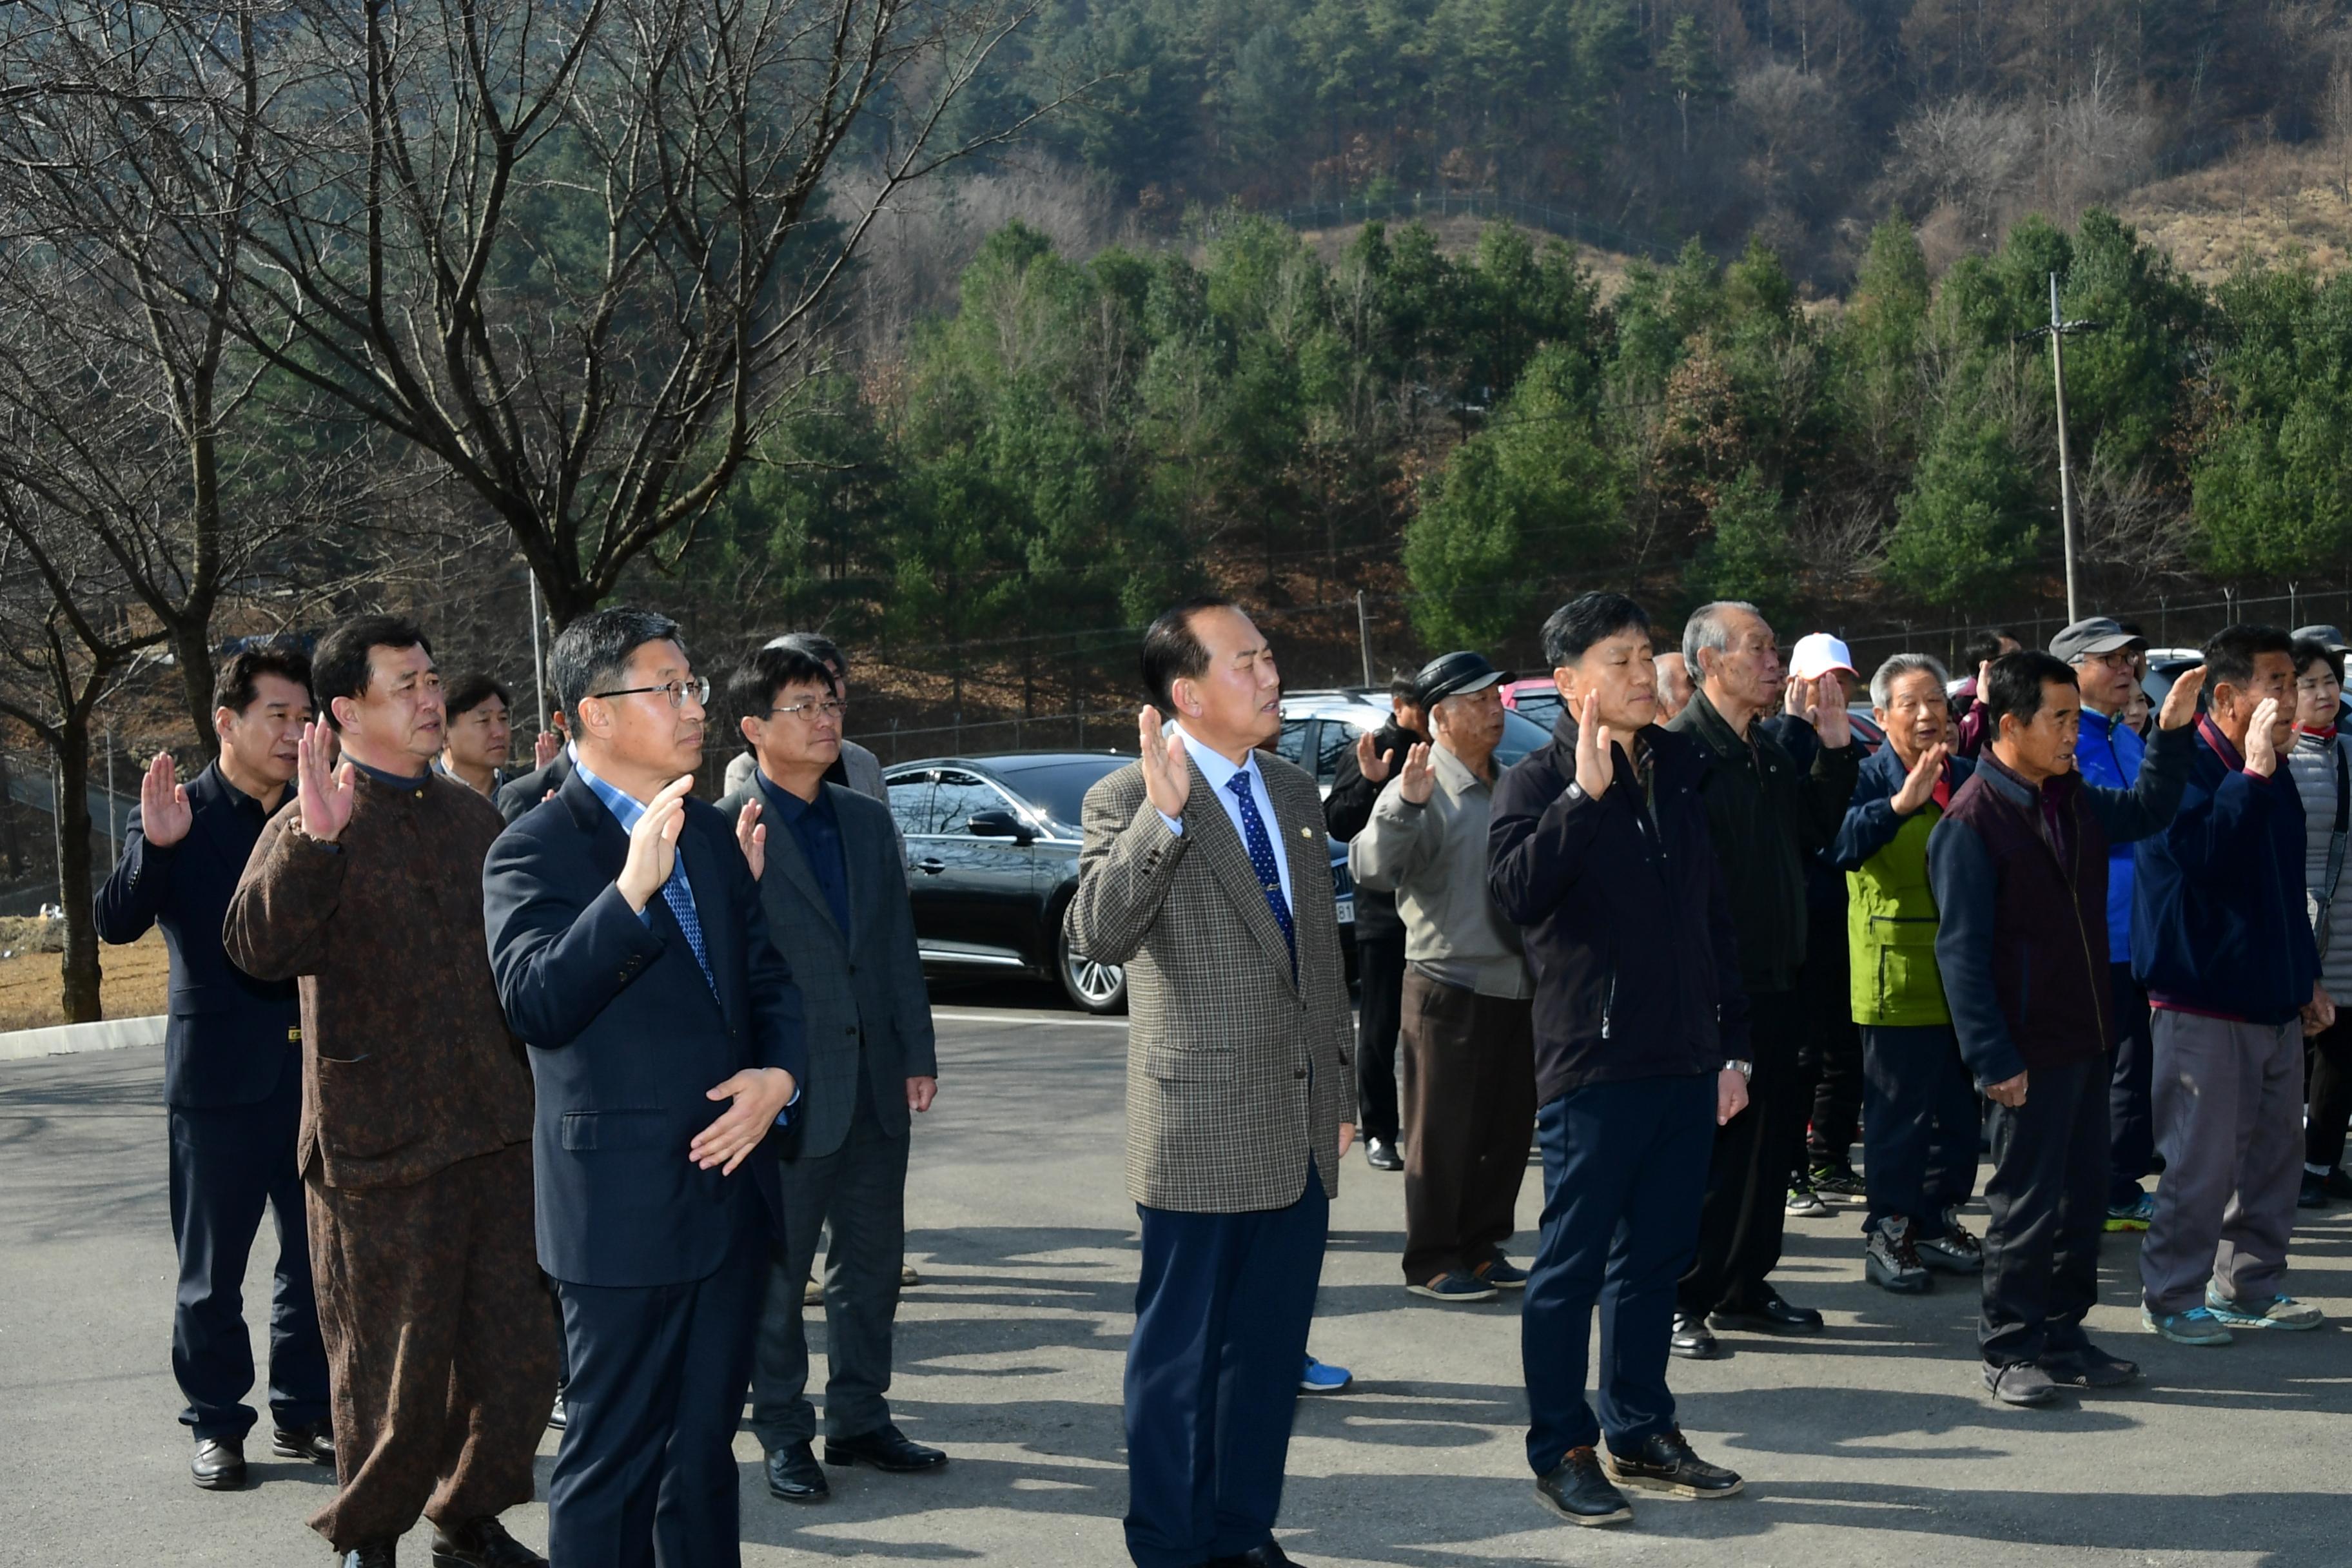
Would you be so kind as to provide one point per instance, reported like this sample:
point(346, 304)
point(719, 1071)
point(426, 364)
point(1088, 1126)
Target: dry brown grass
point(2265, 205)
point(134, 981)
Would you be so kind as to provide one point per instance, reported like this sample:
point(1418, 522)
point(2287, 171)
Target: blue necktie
point(1261, 854)
point(679, 896)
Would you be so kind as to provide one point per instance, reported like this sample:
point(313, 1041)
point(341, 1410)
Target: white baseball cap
point(1818, 653)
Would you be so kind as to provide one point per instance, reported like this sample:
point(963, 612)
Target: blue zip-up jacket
point(2218, 921)
point(2109, 754)
point(1871, 822)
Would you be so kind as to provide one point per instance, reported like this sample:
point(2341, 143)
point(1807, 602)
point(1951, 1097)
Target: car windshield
point(1539, 707)
point(1058, 789)
point(1521, 735)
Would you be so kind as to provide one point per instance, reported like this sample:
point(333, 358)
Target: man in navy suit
point(232, 1070)
point(633, 957)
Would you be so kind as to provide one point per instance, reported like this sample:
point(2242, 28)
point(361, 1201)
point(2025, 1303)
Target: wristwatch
point(1745, 1069)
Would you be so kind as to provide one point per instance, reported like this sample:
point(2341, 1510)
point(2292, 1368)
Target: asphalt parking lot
point(1869, 1446)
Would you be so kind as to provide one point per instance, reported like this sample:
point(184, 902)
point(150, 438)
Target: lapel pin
point(1305, 832)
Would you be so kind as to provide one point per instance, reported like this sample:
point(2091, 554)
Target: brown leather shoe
point(219, 1464)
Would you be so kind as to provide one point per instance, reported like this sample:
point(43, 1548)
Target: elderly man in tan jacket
point(1467, 1032)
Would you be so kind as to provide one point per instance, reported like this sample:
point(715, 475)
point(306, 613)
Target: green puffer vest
point(1891, 921)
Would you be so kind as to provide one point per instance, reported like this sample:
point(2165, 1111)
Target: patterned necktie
point(679, 896)
point(1261, 854)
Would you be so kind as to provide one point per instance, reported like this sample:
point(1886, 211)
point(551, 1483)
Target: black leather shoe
point(372, 1555)
point(1381, 1155)
point(1767, 1313)
point(1270, 1555)
point(1690, 1339)
point(482, 1543)
point(793, 1475)
point(556, 1418)
point(1577, 1489)
point(313, 1442)
point(219, 1464)
point(884, 1448)
point(1664, 1463)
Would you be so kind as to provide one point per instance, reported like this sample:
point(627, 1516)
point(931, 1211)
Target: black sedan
point(992, 860)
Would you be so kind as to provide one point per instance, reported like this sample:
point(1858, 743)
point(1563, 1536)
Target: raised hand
point(752, 838)
point(544, 749)
point(164, 814)
point(1419, 778)
point(1167, 770)
point(652, 844)
point(1830, 719)
point(1919, 783)
point(1596, 760)
point(324, 790)
point(759, 1093)
point(2261, 756)
point(1370, 760)
point(2181, 702)
point(1799, 695)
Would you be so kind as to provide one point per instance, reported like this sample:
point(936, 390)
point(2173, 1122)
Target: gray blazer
point(1238, 1074)
point(866, 981)
point(863, 768)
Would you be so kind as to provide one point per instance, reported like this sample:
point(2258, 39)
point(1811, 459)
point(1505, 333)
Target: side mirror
point(1000, 824)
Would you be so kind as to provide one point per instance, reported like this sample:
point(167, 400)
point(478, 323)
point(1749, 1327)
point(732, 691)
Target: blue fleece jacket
point(2109, 754)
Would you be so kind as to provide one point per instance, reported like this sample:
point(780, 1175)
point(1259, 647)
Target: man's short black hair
point(1587, 619)
point(818, 647)
point(2230, 653)
point(1985, 646)
point(2015, 683)
point(1172, 651)
point(2308, 653)
point(1404, 689)
point(591, 653)
point(236, 680)
point(752, 690)
point(473, 691)
point(340, 667)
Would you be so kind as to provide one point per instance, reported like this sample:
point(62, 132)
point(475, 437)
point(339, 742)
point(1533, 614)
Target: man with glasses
point(2109, 753)
point(834, 889)
point(855, 768)
point(633, 955)
point(415, 1145)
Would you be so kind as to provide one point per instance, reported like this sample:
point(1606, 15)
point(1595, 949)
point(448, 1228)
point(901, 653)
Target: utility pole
point(2060, 329)
point(1364, 636)
point(538, 665)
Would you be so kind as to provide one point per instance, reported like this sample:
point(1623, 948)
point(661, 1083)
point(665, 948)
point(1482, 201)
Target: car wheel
point(1090, 985)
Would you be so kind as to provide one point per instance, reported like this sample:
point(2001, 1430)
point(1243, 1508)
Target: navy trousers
point(2131, 1116)
point(1220, 1319)
point(1625, 1169)
point(229, 1166)
point(2046, 1195)
point(645, 1474)
point(1919, 1125)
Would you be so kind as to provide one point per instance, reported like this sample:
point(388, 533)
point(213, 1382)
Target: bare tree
point(585, 255)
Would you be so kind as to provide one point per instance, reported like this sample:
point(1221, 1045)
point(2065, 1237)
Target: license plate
point(1347, 908)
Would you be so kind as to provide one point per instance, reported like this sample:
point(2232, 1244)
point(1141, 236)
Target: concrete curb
point(111, 1034)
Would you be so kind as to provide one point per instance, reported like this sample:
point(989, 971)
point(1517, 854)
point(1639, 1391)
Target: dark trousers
point(857, 1196)
point(2330, 1085)
point(2131, 1121)
point(436, 1346)
point(1379, 971)
point(1625, 1171)
point(1746, 1210)
point(2048, 1198)
point(645, 1473)
point(1832, 1054)
point(228, 1166)
point(1221, 1317)
point(1469, 1094)
point(1919, 1125)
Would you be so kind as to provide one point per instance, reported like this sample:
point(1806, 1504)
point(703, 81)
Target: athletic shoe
point(2089, 1367)
point(1836, 1180)
point(1804, 1203)
point(2281, 1312)
point(1956, 1251)
point(2313, 1195)
point(1454, 1288)
point(1499, 1273)
point(2020, 1383)
point(2133, 1216)
point(1890, 1261)
point(1319, 1378)
point(2194, 1327)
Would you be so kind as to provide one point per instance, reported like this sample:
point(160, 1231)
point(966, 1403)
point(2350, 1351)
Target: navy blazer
point(627, 1039)
point(516, 797)
point(230, 1037)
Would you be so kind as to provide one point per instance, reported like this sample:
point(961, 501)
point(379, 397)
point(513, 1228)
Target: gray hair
point(1706, 629)
point(1882, 684)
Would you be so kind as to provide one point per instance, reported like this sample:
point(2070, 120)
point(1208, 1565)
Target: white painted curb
point(112, 1034)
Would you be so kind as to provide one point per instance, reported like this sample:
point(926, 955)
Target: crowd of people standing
point(1718, 932)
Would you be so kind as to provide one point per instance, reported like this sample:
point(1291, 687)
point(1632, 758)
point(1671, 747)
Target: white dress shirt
point(1219, 771)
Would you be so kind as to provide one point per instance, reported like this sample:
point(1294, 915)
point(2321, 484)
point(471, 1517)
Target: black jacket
point(1768, 820)
point(516, 796)
point(1628, 929)
point(1350, 805)
point(230, 1037)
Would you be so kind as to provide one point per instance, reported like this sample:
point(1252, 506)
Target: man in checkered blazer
point(1207, 873)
